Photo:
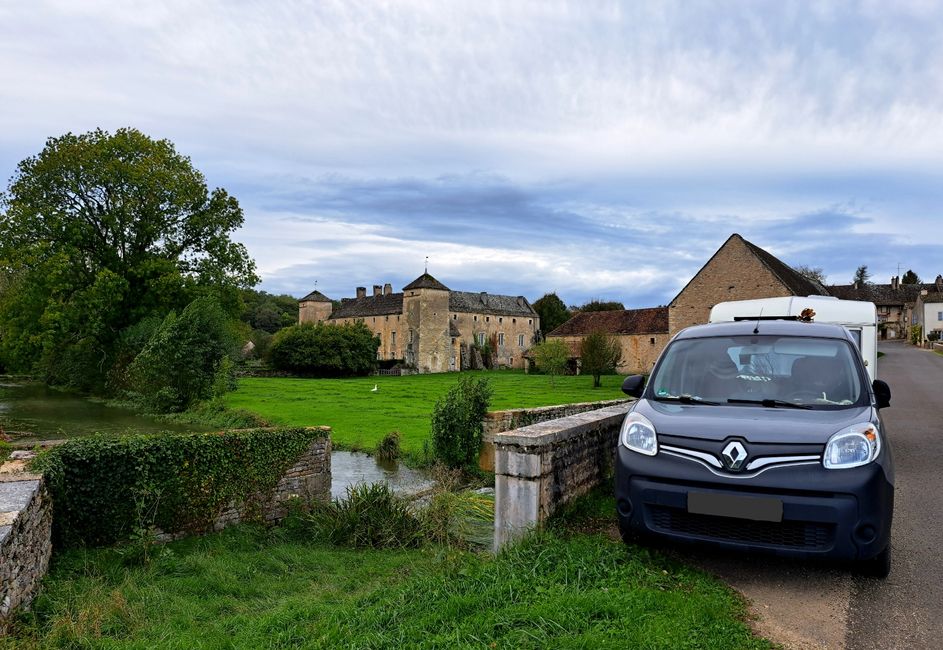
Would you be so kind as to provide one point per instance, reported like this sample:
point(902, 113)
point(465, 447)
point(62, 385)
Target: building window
point(501, 339)
point(454, 316)
point(393, 339)
point(652, 340)
point(513, 320)
point(530, 321)
point(487, 319)
point(453, 343)
point(476, 319)
point(939, 315)
point(520, 340)
point(500, 320)
point(410, 336)
point(481, 338)
point(510, 361)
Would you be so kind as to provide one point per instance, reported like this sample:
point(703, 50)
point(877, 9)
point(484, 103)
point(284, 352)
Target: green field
point(252, 588)
point(360, 417)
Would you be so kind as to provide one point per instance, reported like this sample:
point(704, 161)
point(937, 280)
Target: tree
point(599, 355)
point(552, 312)
point(910, 278)
point(551, 356)
point(325, 350)
point(862, 276)
point(814, 273)
point(599, 305)
point(188, 359)
point(99, 231)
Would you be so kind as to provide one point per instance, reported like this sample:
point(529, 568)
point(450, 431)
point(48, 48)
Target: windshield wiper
point(770, 403)
point(684, 399)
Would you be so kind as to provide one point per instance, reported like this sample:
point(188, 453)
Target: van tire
point(879, 566)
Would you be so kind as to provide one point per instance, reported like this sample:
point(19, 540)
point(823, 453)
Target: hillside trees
point(99, 232)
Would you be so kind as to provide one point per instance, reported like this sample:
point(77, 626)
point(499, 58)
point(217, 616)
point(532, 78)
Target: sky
point(601, 150)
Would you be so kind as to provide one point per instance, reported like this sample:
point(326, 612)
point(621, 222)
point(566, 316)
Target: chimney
point(855, 286)
point(361, 292)
point(387, 289)
point(377, 290)
point(895, 282)
point(939, 283)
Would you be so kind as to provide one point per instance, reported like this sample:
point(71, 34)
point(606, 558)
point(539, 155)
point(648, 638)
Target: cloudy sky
point(598, 149)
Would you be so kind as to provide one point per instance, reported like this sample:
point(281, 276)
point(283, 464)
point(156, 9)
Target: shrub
point(599, 354)
point(325, 350)
point(388, 449)
point(104, 489)
point(551, 357)
point(456, 422)
point(185, 361)
point(369, 516)
point(916, 334)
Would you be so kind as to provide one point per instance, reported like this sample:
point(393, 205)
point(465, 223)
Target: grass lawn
point(361, 418)
point(250, 588)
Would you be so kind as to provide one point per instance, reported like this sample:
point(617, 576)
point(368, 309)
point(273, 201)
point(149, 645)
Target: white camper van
point(859, 317)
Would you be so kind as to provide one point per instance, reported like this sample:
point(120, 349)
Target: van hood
point(753, 423)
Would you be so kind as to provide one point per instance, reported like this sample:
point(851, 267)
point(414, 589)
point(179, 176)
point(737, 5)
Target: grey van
point(763, 435)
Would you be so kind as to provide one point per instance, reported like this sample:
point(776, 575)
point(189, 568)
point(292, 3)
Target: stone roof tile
point(653, 320)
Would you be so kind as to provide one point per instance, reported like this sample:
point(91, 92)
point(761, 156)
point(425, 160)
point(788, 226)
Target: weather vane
point(427, 264)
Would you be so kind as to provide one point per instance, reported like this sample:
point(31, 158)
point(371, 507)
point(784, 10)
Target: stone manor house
point(431, 327)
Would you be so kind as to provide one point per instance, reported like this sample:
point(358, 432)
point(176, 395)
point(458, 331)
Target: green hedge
point(106, 489)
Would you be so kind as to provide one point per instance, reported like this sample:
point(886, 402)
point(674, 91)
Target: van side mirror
point(633, 385)
point(882, 393)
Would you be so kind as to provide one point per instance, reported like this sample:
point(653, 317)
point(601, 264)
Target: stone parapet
point(25, 542)
point(540, 467)
point(499, 421)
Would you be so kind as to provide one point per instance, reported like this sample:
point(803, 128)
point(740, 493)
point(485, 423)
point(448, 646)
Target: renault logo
point(734, 454)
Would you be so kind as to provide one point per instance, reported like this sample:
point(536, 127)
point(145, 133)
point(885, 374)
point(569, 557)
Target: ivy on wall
point(105, 489)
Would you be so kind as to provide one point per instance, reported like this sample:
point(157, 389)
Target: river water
point(31, 411)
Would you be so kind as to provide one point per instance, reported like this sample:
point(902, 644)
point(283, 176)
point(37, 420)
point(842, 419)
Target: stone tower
point(426, 309)
point(314, 308)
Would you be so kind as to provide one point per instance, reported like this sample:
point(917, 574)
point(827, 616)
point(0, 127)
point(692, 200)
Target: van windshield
point(804, 372)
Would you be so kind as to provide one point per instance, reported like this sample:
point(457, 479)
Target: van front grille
point(802, 535)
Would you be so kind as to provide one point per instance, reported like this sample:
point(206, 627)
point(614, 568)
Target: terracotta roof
point(384, 305)
point(316, 296)
point(798, 284)
point(487, 303)
point(653, 320)
point(933, 296)
point(879, 294)
point(425, 281)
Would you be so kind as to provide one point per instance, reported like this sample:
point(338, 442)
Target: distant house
point(642, 333)
point(894, 302)
point(928, 310)
point(431, 327)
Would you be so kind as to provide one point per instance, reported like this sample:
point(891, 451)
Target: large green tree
point(910, 278)
point(552, 312)
point(98, 232)
point(599, 355)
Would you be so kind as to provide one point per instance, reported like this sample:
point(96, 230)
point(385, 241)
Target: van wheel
point(879, 566)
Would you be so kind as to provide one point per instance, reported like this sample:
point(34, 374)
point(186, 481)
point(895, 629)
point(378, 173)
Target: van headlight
point(853, 446)
point(638, 434)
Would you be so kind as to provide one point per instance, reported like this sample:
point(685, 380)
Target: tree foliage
point(600, 305)
point(187, 359)
point(552, 312)
point(910, 278)
point(268, 312)
point(599, 355)
point(814, 273)
point(862, 275)
point(551, 356)
point(457, 422)
point(325, 350)
point(98, 232)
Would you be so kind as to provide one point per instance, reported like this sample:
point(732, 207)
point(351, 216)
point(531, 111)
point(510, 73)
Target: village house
point(894, 302)
point(431, 327)
point(928, 311)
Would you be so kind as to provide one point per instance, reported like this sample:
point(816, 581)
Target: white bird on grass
point(374, 389)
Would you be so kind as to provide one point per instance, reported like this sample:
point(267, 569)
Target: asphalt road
point(816, 605)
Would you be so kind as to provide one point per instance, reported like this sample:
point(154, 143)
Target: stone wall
point(471, 324)
point(540, 467)
point(498, 421)
point(307, 480)
point(25, 541)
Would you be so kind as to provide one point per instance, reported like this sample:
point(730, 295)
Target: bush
point(188, 359)
point(916, 334)
point(370, 516)
point(388, 449)
point(599, 354)
point(456, 422)
point(551, 356)
point(325, 350)
point(106, 489)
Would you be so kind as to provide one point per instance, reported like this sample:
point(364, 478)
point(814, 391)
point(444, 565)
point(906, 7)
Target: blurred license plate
point(734, 505)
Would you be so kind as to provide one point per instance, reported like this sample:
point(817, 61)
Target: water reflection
point(349, 468)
